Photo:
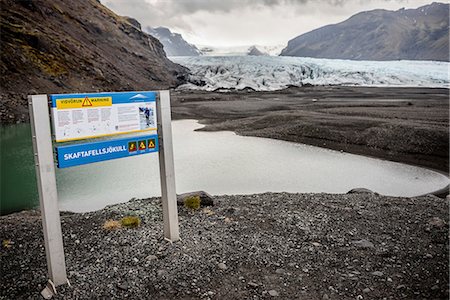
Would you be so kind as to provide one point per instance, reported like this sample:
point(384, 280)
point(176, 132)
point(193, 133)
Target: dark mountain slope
point(174, 44)
point(421, 34)
point(54, 46)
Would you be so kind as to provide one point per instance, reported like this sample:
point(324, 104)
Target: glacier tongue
point(274, 73)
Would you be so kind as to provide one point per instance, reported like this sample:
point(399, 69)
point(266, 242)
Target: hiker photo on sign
point(146, 117)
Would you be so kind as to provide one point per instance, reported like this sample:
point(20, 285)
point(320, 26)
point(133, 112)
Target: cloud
point(246, 21)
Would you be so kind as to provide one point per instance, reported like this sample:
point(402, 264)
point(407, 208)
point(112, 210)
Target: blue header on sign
point(81, 154)
point(119, 97)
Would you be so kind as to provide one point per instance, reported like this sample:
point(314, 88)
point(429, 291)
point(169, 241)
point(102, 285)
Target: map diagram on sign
point(81, 116)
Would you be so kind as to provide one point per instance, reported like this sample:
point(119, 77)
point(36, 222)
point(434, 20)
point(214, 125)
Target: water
point(219, 163)
point(18, 188)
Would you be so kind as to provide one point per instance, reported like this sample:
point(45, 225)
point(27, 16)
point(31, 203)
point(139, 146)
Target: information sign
point(82, 116)
point(81, 154)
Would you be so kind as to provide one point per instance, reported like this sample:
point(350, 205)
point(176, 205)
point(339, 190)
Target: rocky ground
point(285, 246)
point(408, 125)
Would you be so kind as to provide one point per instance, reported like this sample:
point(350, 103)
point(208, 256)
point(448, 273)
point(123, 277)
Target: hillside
point(174, 44)
point(56, 46)
point(413, 34)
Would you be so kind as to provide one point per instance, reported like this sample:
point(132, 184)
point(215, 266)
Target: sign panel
point(82, 116)
point(80, 154)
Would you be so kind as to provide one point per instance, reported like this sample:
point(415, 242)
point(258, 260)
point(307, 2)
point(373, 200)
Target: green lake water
point(18, 188)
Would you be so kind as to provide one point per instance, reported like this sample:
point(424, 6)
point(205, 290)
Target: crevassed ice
point(266, 73)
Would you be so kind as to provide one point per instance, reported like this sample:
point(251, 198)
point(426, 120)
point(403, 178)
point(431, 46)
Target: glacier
point(267, 73)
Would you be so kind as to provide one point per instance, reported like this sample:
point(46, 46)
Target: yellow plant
point(130, 221)
point(111, 225)
point(192, 202)
point(7, 243)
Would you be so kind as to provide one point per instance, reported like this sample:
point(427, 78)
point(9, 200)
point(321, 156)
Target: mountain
point(240, 50)
point(174, 44)
point(58, 46)
point(413, 34)
point(254, 51)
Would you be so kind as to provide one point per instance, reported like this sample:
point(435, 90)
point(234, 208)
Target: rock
point(436, 222)
point(360, 191)
point(316, 244)
point(205, 198)
point(273, 293)
point(280, 271)
point(325, 297)
point(366, 290)
point(151, 257)
point(222, 266)
point(161, 273)
point(123, 286)
point(377, 273)
point(363, 244)
point(253, 285)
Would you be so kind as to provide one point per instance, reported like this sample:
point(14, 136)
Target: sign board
point(82, 116)
point(81, 154)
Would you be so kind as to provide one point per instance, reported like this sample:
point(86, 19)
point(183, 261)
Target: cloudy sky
point(247, 22)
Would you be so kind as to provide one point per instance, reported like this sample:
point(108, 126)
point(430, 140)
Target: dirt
point(264, 246)
point(409, 125)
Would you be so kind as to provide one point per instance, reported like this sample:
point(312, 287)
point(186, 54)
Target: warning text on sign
point(82, 116)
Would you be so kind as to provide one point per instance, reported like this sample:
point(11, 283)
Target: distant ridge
point(174, 44)
point(410, 34)
point(254, 51)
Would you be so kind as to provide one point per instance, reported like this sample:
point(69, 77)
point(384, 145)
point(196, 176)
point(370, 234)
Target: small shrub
point(130, 221)
point(7, 243)
point(111, 225)
point(192, 202)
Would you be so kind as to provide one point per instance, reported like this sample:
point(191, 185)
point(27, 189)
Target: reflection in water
point(217, 162)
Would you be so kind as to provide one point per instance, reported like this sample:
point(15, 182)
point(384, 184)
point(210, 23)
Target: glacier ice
point(274, 73)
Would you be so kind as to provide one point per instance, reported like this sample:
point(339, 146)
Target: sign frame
point(48, 196)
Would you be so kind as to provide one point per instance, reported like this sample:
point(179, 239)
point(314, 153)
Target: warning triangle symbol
point(86, 102)
point(151, 144)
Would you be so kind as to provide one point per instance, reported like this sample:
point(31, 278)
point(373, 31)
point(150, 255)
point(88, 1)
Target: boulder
point(205, 198)
point(360, 191)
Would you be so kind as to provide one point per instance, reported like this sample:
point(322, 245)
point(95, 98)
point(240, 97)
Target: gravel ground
point(408, 125)
point(272, 245)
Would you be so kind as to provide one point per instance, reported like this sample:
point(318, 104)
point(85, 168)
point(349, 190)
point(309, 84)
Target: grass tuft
point(192, 202)
point(130, 221)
